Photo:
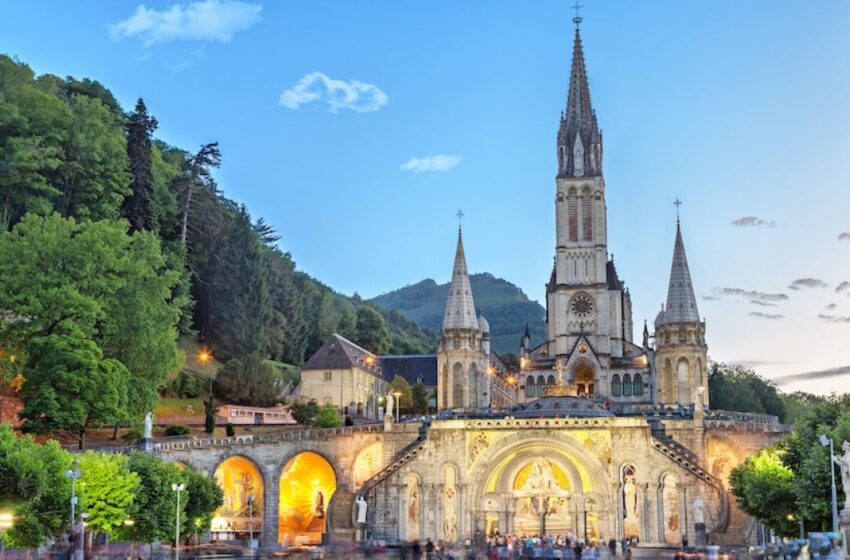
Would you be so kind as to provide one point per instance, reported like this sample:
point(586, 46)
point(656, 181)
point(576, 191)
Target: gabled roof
point(340, 353)
point(412, 368)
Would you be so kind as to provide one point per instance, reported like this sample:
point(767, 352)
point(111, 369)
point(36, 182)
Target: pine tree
point(140, 128)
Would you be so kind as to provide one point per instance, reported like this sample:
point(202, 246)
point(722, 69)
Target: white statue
point(843, 461)
point(389, 411)
point(362, 506)
point(699, 511)
point(148, 433)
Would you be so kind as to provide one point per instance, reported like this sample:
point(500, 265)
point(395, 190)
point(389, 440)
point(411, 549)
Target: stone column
point(685, 494)
point(659, 518)
point(271, 511)
point(618, 510)
point(640, 491)
point(464, 517)
point(579, 519)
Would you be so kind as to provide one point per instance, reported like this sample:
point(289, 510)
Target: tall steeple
point(460, 308)
point(681, 301)
point(579, 138)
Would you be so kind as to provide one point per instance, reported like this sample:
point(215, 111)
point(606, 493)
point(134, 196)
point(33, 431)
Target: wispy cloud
point(751, 295)
point(177, 66)
point(752, 221)
point(710, 298)
point(762, 303)
point(205, 20)
point(831, 306)
point(844, 286)
point(844, 236)
point(834, 319)
point(439, 162)
point(809, 375)
point(807, 283)
point(771, 316)
point(335, 94)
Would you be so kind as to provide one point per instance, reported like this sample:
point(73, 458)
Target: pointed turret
point(681, 301)
point(645, 336)
point(579, 138)
point(460, 308)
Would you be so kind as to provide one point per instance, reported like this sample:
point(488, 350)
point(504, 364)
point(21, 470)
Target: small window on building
point(627, 385)
point(529, 386)
point(329, 375)
point(616, 386)
point(637, 382)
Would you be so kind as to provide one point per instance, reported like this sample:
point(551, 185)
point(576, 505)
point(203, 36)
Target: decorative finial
point(459, 219)
point(577, 19)
point(677, 203)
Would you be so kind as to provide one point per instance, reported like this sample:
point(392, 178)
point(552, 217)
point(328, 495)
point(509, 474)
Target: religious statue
point(413, 506)
point(449, 516)
point(148, 433)
point(699, 511)
point(843, 461)
point(389, 412)
point(320, 505)
point(630, 497)
point(541, 477)
point(362, 506)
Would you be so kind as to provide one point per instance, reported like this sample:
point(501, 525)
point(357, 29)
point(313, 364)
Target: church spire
point(460, 309)
point(681, 301)
point(579, 138)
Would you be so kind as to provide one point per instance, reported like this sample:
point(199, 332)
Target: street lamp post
point(397, 395)
point(177, 488)
point(828, 441)
point(74, 473)
point(251, 523)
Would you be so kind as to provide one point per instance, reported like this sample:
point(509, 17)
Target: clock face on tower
point(582, 305)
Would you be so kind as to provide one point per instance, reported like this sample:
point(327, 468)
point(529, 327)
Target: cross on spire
point(459, 219)
point(677, 203)
point(577, 18)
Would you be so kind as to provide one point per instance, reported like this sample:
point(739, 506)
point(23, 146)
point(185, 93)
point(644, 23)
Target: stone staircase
point(407, 454)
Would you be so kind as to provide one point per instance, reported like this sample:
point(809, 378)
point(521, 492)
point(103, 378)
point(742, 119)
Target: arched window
point(627, 385)
point(683, 376)
point(541, 383)
point(458, 385)
point(529, 386)
point(586, 217)
point(637, 383)
point(572, 216)
point(616, 386)
point(550, 380)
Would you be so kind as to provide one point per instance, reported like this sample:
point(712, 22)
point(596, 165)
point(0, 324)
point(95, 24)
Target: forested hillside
point(505, 306)
point(114, 244)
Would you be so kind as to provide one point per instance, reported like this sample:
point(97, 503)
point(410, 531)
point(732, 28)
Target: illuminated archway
point(307, 484)
point(584, 379)
point(242, 511)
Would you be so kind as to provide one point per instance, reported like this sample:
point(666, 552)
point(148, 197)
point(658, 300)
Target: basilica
point(592, 435)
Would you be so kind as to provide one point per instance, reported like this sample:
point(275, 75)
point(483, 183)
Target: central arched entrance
point(242, 511)
point(307, 483)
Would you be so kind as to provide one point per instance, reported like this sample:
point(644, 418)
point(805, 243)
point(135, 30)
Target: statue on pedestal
point(843, 461)
point(362, 506)
point(148, 432)
point(388, 414)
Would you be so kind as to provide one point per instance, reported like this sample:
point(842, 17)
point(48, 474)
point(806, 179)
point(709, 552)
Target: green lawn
point(179, 407)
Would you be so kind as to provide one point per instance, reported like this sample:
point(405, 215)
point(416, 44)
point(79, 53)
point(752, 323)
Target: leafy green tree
point(154, 506)
point(405, 402)
point(248, 381)
point(71, 386)
point(203, 498)
point(197, 171)
point(106, 489)
point(740, 389)
point(372, 333)
point(305, 413)
point(209, 415)
point(327, 417)
point(140, 127)
point(419, 395)
point(762, 485)
point(33, 488)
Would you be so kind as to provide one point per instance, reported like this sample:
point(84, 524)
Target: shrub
point(229, 430)
point(178, 430)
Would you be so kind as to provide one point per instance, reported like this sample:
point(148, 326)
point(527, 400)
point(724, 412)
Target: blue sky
point(739, 108)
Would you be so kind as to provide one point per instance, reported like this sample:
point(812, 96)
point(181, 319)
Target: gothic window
point(683, 373)
point(637, 382)
point(529, 386)
point(541, 384)
point(444, 387)
point(572, 216)
point(627, 385)
point(550, 380)
point(457, 386)
point(586, 217)
point(578, 157)
point(616, 386)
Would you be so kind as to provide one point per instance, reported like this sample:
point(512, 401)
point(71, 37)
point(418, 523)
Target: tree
point(154, 505)
point(762, 485)
point(140, 128)
point(305, 413)
point(203, 498)
point(327, 417)
point(740, 389)
point(198, 170)
point(419, 396)
point(106, 491)
point(209, 415)
point(248, 381)
point(372, 333)
point(70, 386)
point(404, 402)
point(33, 488)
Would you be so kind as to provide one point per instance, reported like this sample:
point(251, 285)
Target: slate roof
point(681, 301)
point(412, 368)
point(340, 353)
point(460, 309)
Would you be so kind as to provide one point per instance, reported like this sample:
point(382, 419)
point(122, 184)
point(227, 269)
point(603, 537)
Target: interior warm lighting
point(238, 479)
point(307, 485)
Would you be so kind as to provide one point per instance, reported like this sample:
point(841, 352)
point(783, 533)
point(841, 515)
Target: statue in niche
point(413, 505)
point(631, 521)
point(449, 516)
point(541, 477)
point(320, 504)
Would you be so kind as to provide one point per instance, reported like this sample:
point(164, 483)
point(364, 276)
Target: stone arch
point(683, 380)
point(367, 463)
point(457, 385)
point(412, 506)
point(243, 484)
point(307, 483)
point(670, 508)
point(584, 377)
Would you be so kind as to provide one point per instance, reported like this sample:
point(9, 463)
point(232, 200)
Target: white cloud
point(844, 236)
point(336, 94)
point(204, 20)
point(439, 162)
point(752, 221)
